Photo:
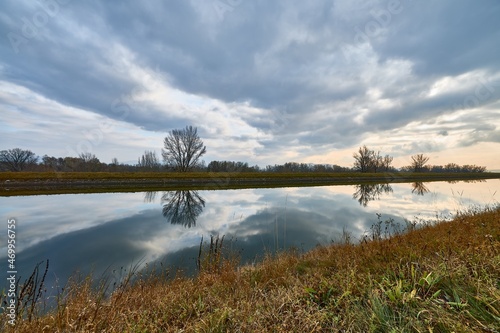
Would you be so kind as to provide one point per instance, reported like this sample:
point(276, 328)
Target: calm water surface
point(104, 232)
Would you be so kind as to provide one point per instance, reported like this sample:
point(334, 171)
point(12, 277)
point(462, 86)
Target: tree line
point(183, 149)
point(367, 160)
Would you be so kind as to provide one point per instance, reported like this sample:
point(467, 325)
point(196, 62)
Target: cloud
point(484, 134)
point(258, 79)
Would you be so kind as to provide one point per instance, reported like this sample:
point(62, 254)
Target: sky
point(265, 82)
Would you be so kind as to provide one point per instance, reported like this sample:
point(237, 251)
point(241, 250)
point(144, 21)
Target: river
point(108, 233)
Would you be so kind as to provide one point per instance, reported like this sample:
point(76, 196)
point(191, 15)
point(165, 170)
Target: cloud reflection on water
point(103, 232)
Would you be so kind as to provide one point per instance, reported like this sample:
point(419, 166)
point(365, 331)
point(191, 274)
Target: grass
point(440, 277)
point(233, 175)
point(28, 183)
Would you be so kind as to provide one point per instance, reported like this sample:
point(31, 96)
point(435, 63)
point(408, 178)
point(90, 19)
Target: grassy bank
point(444, 277)
point(28, 183)
point(61, 176)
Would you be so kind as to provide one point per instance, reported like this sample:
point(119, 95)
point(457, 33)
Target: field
point(28, 183)
point(436, 277)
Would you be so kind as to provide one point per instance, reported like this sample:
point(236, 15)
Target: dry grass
point(49, 175)
point(443, 277)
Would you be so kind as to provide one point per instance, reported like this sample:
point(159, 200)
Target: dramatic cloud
point(265, 82)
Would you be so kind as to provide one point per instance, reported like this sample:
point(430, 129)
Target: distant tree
point(72, 163)
point(52, 163)
point(377, 163)
point(114, 165)
point(473, 168)
point(200, 166)
point(366, 160)
point(363, 159)
point(89, 162)
point(418, 162)
point(301, 167)
point(87, 157)
point(436, 168)
point(386, 162)
point(17, 159)
point(183, 149)
point(149, 160)
point(230, 166)
point(452, 167)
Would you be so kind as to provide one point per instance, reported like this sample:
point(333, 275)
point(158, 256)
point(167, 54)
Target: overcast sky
point(263, 81)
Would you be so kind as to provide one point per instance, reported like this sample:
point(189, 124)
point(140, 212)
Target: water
point(104, 232)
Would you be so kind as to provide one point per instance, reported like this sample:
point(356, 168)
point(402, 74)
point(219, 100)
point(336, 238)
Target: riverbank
point(441, 277)
point(32, 183)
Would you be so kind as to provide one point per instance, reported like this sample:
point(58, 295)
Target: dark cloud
point(325, 75)
point(443, 133)
point(485, 134)
point(445, 38)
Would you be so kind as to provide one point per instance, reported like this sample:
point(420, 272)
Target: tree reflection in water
point(369, 192)
point(182, 207)
point(419, 188)
point(150, 196)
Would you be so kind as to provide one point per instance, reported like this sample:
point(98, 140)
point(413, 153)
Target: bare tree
point(362, 159)
point(87, 157)
point(17, 159)
point(418, 163)
point(89, 162)
point(53, 163)
point(114, 165)
point(183, 149)
point(149, 160)
point(386, 162)
point(365, 160)
point(377, 162)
